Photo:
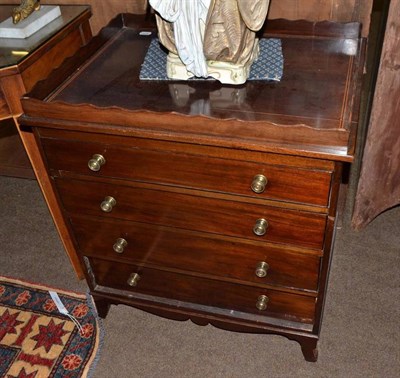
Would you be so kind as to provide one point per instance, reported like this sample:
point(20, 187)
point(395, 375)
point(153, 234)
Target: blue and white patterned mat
point(268, 66)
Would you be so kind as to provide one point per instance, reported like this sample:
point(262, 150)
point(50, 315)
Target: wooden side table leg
point(309, 349)
point(28, 139)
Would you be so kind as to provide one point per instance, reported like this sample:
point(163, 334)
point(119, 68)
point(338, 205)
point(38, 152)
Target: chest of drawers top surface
point(310, 112)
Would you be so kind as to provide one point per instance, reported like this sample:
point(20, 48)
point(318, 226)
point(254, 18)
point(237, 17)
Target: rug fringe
point(43, 287)
point(92, 368)
point(88, 372)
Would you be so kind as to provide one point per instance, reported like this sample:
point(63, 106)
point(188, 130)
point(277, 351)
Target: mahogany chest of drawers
point(194, 200)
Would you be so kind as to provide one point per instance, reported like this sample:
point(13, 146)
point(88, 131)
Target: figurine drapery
point(210, 30)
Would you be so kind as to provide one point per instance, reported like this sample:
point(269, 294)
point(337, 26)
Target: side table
point(23, 63)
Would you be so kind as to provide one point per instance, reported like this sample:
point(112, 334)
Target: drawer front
point(175, 249)
point(203, 291)
point(191, 212)
point(192, 171)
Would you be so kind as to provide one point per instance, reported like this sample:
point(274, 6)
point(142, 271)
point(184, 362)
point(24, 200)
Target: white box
point(33, 23)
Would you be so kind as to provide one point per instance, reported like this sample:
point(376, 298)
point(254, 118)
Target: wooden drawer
point(158, 165)
point(193, 252)
point(187, 211)
point(203, 291)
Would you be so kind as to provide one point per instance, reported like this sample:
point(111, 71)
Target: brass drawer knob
point(108, 204)
point(119, 245)
point(96, 162)
point(259, 184)
point(260, 228)
point(262, 269)
point(262, 302)
point(133, 279)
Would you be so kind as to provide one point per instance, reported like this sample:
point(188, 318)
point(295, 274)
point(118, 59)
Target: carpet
point(46, 335)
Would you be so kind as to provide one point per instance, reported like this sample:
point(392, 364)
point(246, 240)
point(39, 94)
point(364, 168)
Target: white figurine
point(189, 19)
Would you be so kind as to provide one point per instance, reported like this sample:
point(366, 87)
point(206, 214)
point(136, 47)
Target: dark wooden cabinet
point(222, 214)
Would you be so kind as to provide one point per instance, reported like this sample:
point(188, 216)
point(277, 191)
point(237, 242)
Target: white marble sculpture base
point(36, 21)
point(224, 72)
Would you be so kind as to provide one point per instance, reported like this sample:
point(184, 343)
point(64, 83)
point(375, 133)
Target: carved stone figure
point(214, 38)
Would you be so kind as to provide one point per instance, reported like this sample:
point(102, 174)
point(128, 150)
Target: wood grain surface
point(203, 291)
point(228, 259)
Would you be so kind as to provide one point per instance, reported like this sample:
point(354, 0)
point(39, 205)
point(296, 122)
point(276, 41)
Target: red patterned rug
point(37, 341)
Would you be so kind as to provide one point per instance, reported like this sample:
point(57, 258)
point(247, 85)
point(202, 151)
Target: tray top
point(318, 91)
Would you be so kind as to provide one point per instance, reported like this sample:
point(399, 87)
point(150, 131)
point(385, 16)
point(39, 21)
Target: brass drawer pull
point(262, 302)
point(262, 269)
point(259, 184)
point(260, 228)
point(133, 279)
point(96, 162)
point(108, 204)
point(119, 245)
